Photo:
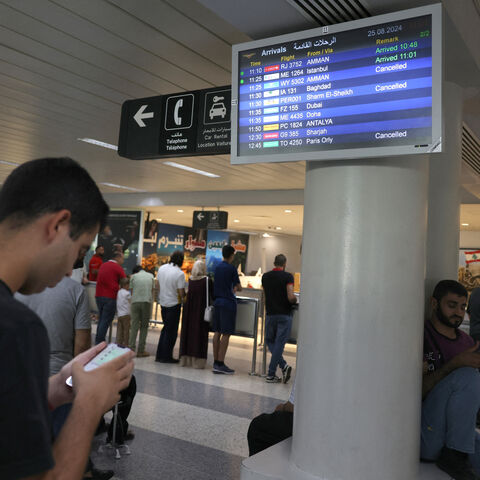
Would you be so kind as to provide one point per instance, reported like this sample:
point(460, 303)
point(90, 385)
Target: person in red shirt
point(109, 276)
point(95, 263)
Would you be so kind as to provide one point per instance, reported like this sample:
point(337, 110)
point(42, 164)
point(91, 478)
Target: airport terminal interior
point(67, 67)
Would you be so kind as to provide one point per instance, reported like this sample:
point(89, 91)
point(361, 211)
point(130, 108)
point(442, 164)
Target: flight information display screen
point(363, 88)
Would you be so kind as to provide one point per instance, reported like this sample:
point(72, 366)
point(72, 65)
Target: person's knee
point(466, 378)
point(256, 425)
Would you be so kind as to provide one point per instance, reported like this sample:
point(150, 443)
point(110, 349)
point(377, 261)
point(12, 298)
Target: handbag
point(208, 315)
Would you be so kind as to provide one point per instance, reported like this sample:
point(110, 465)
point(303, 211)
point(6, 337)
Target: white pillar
point(359, 366)
point(444, 195)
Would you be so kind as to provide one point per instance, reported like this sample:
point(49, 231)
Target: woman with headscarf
point(194, 333)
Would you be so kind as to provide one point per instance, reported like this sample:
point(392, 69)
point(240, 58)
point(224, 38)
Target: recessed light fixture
point(190, 169)
point(465, 224)
point(123, 187)
point(266, 235)
point(287, 210)
point(180, 210)
point(98, 143)
point(278, 228)
point(4, 162)
point(237, 220)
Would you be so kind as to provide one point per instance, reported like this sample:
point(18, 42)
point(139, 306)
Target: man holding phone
point(49, 210)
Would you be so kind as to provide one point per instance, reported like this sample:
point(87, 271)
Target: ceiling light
point(288, 210)
point(4, 162)
point(190, 169)
point(237, 220)
point(266, 235)
point(98, 143)
point(158, 219)
point(278, 228)
point(465, 224)
point(114, 185)
point(180, 210)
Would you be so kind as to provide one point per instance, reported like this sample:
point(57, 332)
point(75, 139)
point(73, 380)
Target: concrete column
point(444, 195)
point(357, 408)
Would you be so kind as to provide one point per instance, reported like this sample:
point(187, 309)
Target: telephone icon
point(176, 117)
point(179, 111)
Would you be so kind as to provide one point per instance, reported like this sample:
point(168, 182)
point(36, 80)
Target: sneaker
point(223, 369)
point(286, 373)
point(456, 464)
point(143, 354)
point(273, 379)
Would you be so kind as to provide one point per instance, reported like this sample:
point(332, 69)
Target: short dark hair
point(227, 251)
point(48, 185)
point(137, 268)
point(177, 258)
point(280, 260)
point(117, 254)
point(99, 246)
point(444, 287)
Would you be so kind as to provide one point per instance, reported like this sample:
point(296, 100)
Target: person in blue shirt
point(226, 285)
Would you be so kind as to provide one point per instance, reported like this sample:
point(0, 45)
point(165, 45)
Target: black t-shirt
point(25, 431)
point(275, 286)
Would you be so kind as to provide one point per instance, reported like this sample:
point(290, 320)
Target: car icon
point(217, 110)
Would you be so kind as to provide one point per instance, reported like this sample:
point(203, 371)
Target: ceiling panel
point(143, 36)
point(145, 82)
point(174, 24)
point(210, 20)
point(108, 42)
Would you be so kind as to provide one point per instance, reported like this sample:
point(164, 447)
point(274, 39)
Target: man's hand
point(58, 392)
point(468, 358)
point(100, 387)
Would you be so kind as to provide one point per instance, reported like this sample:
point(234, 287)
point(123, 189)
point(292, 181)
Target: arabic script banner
point(162, 239)
point(215, 241)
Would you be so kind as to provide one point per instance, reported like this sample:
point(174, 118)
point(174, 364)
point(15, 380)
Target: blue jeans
point(449, 415)
point(277, 332)
point(168, 337)
point(106, 313)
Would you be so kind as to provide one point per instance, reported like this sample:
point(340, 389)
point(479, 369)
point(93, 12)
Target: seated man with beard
point(451, 386)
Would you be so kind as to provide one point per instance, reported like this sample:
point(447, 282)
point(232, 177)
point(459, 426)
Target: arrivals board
point(359, 89)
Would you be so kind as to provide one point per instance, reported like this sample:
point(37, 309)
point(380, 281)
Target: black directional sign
point(210, 219)
point(181, 124)
point(140, 128)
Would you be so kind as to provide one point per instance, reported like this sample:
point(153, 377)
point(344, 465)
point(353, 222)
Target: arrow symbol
point(139, 116)
point(200, 216)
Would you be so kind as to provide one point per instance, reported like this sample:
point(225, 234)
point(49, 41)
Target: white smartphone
point(110, 352)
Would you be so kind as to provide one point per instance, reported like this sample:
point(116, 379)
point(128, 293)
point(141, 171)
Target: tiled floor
point(192, 424)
